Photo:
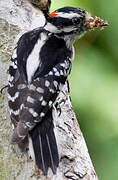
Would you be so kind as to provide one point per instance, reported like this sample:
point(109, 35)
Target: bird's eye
point(76, 20)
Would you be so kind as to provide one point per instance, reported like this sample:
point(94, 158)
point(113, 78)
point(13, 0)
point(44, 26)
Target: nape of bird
point(40, 65)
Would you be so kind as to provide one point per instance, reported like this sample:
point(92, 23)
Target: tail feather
point(44, 145)
point(51, 155)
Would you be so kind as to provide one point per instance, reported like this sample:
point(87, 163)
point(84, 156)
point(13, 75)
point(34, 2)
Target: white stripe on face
point(68, 15)
point(50, 27)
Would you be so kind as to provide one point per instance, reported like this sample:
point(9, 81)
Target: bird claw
point(1, 90)
point(59, 104)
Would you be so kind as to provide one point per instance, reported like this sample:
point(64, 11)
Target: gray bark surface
point(75, 163)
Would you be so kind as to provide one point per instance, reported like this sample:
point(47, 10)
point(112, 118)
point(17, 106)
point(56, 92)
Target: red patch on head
point(53, 14)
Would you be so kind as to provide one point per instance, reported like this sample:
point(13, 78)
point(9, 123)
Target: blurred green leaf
point(94, 85)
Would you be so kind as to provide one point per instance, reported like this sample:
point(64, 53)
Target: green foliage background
point(94, 85)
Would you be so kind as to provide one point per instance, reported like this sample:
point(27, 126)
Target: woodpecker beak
point(91, 22)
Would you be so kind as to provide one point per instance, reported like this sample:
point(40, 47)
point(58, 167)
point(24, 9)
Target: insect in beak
point(91, 22)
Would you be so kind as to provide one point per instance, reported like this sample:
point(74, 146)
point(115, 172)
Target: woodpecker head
point(71, 22)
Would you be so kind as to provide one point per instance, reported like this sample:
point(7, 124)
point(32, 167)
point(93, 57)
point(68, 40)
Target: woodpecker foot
point(1, 90)
point(60, 102)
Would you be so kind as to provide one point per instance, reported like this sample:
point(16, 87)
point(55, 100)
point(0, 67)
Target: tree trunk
point(17, 17)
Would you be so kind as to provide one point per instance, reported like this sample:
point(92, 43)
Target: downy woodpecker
point(40, 65)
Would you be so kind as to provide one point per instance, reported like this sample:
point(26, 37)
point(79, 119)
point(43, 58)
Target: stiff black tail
point(44, 145)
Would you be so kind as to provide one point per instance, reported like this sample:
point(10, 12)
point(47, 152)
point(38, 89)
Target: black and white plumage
point(40, 65)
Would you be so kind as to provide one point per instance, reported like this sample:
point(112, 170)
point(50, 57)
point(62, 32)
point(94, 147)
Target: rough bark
point(75, 162)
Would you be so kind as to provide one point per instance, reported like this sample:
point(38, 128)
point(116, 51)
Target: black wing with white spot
point(38, 98)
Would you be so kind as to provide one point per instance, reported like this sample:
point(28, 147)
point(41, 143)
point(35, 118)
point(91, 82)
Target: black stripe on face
point(61, 22)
